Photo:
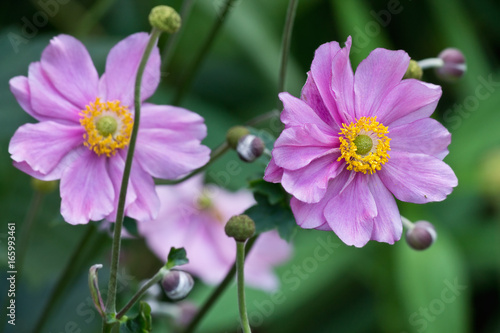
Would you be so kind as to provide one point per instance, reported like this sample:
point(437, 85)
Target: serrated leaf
point(142, 323)
point(176, 257)
point(268, 217)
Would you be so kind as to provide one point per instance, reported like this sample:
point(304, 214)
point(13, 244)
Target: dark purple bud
point(177, 284)
point(421, 236)
point(453, 66)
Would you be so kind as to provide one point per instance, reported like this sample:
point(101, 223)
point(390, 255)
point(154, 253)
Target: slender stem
point(155, 279)
point(92, 16)
point(218, 291)
point(407, 223)
point(263, 117)
point(186, 80)
point(172, 39)
point(240, 270)
point(64, 278)
point(285, 44)
point(431, 63)
point(111, 299)
point(216, 153)
point(25, 235)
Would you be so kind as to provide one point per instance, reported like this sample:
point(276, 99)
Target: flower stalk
point(240, 263)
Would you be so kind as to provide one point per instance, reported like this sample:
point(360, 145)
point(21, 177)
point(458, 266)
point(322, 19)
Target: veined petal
point(387, 225)
point(43, 145)
point(310, 94)
point(297, 113)
point(69, 67)
point(309, 184)
point(343, 82)
point(424, 136)
point(296, 147)
point(408, 101)
point(375, 77)
point(351, 213)
point(417, 178)
point(86, 190)
point(20, 88)
point(273, 172)
point(121, 69)
point(168, 154)
point(146, 205)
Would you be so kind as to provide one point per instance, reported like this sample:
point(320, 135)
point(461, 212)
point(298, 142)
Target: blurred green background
point(452, 287)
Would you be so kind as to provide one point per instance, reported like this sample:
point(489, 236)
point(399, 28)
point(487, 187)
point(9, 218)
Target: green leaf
point(268, 216)
point(176, 257)
point(273, 192)
point(142, 323)
point(131, 226)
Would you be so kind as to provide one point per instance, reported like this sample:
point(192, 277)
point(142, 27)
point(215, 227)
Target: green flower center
point(363, 144)
point(106, 125)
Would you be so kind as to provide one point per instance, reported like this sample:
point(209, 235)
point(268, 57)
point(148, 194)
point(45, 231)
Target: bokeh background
point(327, 286)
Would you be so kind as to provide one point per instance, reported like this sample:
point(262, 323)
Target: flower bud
point(453, 65)
point(234, 135)
point(250, 147)
point(240, 227)
point(94, 289)
point(165, 18)
point(414, 71)
point(177, 284)
point(421, 236)
point(43, 186)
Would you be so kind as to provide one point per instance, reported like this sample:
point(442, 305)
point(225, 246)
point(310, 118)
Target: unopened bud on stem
point(165, 18)
point(177, 284)
point(421, 236)
point(240, 227)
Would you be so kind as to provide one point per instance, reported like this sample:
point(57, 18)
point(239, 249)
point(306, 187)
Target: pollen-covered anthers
point(364, 145)
point(108, 126)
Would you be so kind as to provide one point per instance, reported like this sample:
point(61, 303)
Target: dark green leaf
point(274, 192)
point(131, 226)
point(142, 323)
point(176, 257)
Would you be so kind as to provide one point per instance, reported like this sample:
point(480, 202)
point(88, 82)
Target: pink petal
point(424, 136)
point(46, 101)
point(350, 214)
point(408, 101)
point(375, 77)
point(174, 118)
point(322, 73)
point(43, 145)
point(310, 183)
point(19, 86)
point(169, 154)
point(57, 172)
point(69, 67)
point(87, 192)
point(417, 178)
point(273, 173)
point(387, 225)
point(310, 215)
point(297, 113)
point(146, 205)
point(342, 82)
point(121, 70)
point(310, 94)
point(296, 147)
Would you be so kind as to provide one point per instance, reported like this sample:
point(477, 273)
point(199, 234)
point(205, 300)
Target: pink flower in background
point(193, 216)
point(354, 140)
point(85, 124)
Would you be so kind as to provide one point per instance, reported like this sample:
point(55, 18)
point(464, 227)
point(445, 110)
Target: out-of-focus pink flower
point(85, 124)
point(193, 216)
point(352, 141)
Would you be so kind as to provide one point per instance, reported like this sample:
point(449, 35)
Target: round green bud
point(44, 186)
point(234, 135)
point(165, 18)
point(240, 227)
point(414, 71)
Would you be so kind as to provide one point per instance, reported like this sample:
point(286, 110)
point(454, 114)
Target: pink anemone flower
point(193, 216)
point(84, 127)
point(353, 142)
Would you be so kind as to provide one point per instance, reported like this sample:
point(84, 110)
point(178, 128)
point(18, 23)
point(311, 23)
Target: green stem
point(155, 279)
point(92, 16)
point(186, 80)
point(111, 299)
point(216, 153)
point(25, 235)
point(285, 45)
point(64, 278)
point(240, 269)
point(217, 292)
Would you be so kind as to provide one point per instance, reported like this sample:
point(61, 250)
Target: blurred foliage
point(453, 287)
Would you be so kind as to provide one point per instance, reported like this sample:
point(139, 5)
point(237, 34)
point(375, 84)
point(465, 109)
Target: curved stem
point(155, 279)
point(186, 80)
point(217, 292)
point(111, 299)
point(431, 63)
point(285, 45)
point(92, 16)
point(407, 223)
point(240, 270)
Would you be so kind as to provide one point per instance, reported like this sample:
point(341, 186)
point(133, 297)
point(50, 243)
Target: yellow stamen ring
point(108, 126)
point(364, 145)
